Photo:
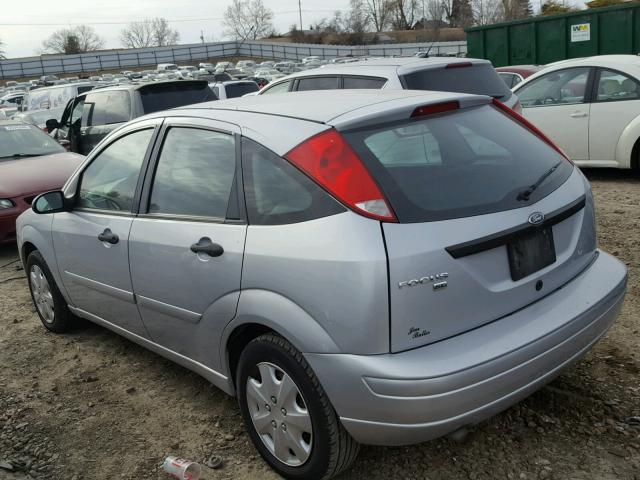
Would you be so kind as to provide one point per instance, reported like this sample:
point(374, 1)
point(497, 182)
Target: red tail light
point(459, 65)
point(329, 160)
point(433, 109)
point(530, 126)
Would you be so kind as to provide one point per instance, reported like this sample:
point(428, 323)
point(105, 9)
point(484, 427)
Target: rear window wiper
point(526, 193)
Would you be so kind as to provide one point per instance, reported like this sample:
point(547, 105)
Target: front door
point(557, 104)
point(92, 240)
point(187, 244)
point(616, 104)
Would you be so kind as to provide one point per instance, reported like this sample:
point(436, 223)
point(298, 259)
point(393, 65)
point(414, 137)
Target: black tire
point(63, 320)
point(332, 448)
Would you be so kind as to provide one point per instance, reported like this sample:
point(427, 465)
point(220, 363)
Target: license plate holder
point(531, 252)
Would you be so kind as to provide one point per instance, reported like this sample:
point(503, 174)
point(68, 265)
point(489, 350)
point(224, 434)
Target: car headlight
point(6, 203)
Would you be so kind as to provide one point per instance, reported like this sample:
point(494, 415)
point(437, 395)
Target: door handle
point(579, 115)
point(108, 236)
point(205, 245)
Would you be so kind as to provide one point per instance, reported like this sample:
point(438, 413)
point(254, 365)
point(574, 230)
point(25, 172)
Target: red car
point(515, 74)
point(31, 162)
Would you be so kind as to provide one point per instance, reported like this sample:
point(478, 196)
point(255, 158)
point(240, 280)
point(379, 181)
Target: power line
point(175, 20)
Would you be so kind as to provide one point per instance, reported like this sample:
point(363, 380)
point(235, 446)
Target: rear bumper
point(421, 394)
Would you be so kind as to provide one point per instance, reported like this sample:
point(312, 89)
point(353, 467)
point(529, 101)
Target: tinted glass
point(363, 82)
point(109, 182)
point(194, 174)
point(477, 79)
point(118, 108)
point(460, 164)
point(95, 106)
point(278, 193)
point(26, 140)
point(239, 89)
point(317, 83)
point(556, 88)
point(279, 88)
point(162, 96)
point(507, 78)
point(615, 86)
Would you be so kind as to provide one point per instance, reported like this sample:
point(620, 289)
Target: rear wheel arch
point(238, 340)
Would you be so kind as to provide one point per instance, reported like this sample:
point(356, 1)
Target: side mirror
point(49, 202)
point(52, 124)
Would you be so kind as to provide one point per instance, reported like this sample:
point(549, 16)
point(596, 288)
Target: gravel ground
point(92, 405)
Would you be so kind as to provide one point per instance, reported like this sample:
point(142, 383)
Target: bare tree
point(403, 13)
point(247, 19)
point(150, 32)
point(2, 56)
point(356, 20)
point(458, 12)
point(435, 10)
point(80, 39)
point(486, 12)
point(378, 12)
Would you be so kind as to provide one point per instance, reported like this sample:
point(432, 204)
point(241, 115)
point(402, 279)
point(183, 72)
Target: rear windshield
point(479, 79)
point(453, 165)
point(163, 96)
point(239, 89)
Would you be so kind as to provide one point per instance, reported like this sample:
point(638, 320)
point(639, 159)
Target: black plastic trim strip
point(502, 238)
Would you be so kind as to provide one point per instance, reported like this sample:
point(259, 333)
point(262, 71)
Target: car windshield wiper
point(526, 193)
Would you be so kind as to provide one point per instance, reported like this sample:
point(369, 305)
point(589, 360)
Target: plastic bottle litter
point(182, 469)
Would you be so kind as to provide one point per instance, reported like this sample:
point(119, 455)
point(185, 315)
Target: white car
point(270, 74)
point(590, 107)
point(463, 75)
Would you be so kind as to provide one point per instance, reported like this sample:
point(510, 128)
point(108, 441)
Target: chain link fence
point(150, 57)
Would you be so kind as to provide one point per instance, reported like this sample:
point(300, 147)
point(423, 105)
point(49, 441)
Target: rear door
point(466, 251)
point(104, 111)
point(187, 243)
point(92, 240)
point(557, 103)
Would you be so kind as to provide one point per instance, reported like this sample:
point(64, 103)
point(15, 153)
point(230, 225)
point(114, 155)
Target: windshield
point(471, 162)
point(479, 79)
point(25, 141)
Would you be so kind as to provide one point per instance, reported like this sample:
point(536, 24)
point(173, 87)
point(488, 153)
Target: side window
point(317, 83)
point(279, 88)
point(109, 182)
point(278, 193)
point(363, 82)
point(118, 108)
point(105, 108)
point(195, 173)
point(615, 86)
point(78, 108)
point(507, 78)
point(95, 105)
point(563, 87)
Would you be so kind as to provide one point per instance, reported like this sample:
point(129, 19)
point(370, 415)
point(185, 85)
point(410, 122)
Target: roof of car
point(310, 106)
point(385, 66)
point(599, 60)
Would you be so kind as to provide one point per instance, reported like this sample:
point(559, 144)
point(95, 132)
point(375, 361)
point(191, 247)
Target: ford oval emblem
point(536, 218)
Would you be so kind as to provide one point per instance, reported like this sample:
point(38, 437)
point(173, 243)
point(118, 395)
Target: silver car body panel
point(430, 391)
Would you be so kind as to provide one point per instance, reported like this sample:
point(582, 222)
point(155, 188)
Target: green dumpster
point(541, 40)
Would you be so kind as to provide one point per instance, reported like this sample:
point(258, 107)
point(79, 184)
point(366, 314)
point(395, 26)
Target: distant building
point(423, 24)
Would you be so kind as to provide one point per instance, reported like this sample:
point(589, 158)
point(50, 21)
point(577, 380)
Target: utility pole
point(202, 36)
point(300, 11)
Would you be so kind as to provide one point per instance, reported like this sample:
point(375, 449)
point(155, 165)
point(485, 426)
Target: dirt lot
point(91, 405)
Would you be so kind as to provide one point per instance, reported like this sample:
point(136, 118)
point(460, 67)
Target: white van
point(53, 97)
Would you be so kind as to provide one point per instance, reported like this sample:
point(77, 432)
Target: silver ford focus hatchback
point(378, 267)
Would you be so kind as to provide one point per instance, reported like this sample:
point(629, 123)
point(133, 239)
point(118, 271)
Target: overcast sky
point(21, 38)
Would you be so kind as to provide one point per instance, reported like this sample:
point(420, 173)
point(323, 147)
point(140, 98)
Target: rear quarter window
point(471, 162)
point(278, 193)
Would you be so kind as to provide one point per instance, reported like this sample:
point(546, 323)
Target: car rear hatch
point(160, 96)
point(489, 215)
point(473, 76)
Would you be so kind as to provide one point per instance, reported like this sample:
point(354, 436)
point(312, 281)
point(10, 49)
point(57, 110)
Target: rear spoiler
point(398, 109)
